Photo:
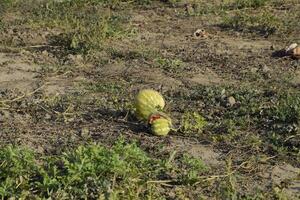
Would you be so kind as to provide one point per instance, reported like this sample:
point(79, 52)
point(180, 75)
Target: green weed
point(4, 5)
point(287, 109)
point(115, 93)
point(169, 65)
point(17, 168)
point(194, 168)
point(240, 4)
point(80, 26)
point(263, 22)
point(280, 194)
point(282, 120)
point(192, 122)
point(274, 112)
point(123, 171)
point(228, 186)
point(226, 130)
point(202, 7)
point(111, 88)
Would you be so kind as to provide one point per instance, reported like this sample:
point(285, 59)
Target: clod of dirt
point(200, 33)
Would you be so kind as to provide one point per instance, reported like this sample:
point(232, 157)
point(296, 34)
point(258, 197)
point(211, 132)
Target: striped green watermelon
point(147, 102)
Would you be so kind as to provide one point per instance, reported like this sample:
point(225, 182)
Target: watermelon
point(147, 102)
point(160, 124)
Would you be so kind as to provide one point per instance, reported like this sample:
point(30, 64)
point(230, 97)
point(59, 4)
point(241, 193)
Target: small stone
point(231, 101)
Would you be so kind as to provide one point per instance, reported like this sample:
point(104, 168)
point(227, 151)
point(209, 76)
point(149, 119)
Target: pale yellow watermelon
point(161, 126)
point(148, 101)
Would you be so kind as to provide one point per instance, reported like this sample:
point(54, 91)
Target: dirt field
point(70, 71)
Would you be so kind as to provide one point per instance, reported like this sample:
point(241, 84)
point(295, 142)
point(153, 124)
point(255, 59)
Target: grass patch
point(240, 4)
point(272, 114)
point(4, 5)
point(110, 88)
point(85, 27)
point(123, 171)
point(148, 56)
point(191, 168)
point(264, 17)
point(169, 65)
point(79, 26)
point(114, 95)
point(202, 7)
point(17, 167)
point(286, 112)
point(192, 122)
point(282, 120)
point(263, 22)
